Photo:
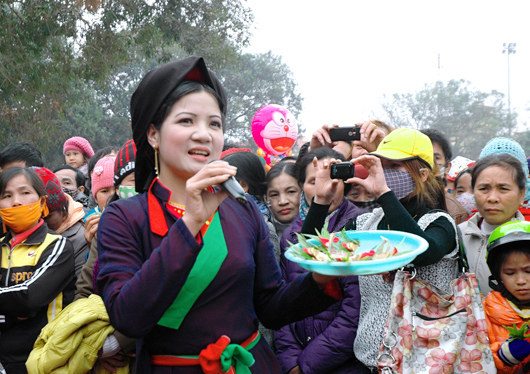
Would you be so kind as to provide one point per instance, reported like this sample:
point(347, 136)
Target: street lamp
point(509, 48)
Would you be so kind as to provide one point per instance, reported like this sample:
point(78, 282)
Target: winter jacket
point(37, 281)
point(475, 243)
point(76, 234)
point(321, 343)
point(499, 313)
point(73, 229)
point(71, 342)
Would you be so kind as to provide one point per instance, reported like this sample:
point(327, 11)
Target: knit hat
point(151, 93)
point(504, 145)
point(406, 144)
point(78, 144)
point(56, 198)
point(103, 174)
point(125, 162)
point(229, 151)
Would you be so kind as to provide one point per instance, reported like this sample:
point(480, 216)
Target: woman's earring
point(156, 161)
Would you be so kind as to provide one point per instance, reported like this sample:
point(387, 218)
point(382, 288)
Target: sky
point(345, 55)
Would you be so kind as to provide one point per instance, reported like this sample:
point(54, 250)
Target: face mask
point(72, 193)
point(368, 205)
point(468, 201)
point(125, 192)
point(400, 182)
point(21, 218)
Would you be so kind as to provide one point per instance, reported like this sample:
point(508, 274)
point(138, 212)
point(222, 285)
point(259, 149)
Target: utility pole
point(509, 48)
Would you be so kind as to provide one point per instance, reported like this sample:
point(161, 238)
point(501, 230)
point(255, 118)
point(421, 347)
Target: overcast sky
point(346, 54)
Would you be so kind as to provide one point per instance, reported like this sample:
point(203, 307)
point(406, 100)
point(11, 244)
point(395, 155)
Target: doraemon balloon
point(275, 131)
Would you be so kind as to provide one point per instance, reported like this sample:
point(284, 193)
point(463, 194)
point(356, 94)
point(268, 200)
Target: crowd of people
point(133, 259)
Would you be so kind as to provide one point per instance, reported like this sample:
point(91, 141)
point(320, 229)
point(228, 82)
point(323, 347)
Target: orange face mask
point(21, 218)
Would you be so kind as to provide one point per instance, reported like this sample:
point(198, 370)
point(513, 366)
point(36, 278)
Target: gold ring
point(375, 126)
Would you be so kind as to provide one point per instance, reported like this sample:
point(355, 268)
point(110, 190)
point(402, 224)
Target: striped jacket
point(36, 281)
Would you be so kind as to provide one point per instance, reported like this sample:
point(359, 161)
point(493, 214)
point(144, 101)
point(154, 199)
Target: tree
point(54, 52)
point(468, 117)
point(252, 82)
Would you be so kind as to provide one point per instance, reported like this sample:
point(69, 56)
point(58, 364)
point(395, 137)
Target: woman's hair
point(321, 154)
point(288, 168)
point(431, 191)
point(288, 158)
point(503, 160)
point(183, 89)
point(33, 178)
point(461, 174)
point(249, 170)
point(383, 125)
point(79, 176)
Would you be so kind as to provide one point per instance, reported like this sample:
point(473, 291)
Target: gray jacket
point(475, 246)
point(76, 234)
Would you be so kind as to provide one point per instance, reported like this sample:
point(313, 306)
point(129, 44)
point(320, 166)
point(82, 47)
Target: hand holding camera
point(325, 186)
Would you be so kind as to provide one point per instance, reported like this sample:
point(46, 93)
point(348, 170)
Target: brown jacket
point(455, 209)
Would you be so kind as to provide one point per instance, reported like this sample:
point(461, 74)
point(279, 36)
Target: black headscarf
point(151, 93)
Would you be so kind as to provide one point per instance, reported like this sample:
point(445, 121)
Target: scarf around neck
point(304, 209)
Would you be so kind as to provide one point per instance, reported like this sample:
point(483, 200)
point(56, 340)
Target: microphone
point(232, 187)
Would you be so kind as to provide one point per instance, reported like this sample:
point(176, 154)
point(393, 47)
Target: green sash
point(206, 267)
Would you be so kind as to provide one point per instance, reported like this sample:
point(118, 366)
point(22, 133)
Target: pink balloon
point(274, 129)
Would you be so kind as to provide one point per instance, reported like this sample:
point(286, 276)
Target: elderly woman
point(498, 183)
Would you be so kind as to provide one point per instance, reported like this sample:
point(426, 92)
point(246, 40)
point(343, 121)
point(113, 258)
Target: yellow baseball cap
point(406, 144)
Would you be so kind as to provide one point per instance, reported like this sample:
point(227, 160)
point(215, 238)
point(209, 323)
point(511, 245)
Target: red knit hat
point(125, 162)
point(78, 144)
point(56, 198)
point(103, 174)
point(229, 151)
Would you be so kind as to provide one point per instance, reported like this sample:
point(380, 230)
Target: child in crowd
point(508, 305)
point(109, 151)
point(103, 181)
point(464, 192)
point(65, 217)
point(102, 190)
point(77, 152)
point(73, 183)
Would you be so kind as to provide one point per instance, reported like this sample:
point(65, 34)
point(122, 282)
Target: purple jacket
point(322, 343)
point(145, 256)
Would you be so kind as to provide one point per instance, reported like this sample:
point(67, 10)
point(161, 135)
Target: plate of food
point(355, 252)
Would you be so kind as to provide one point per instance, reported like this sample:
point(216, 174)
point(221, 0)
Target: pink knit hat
point(103, 174)
point(78, 144)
